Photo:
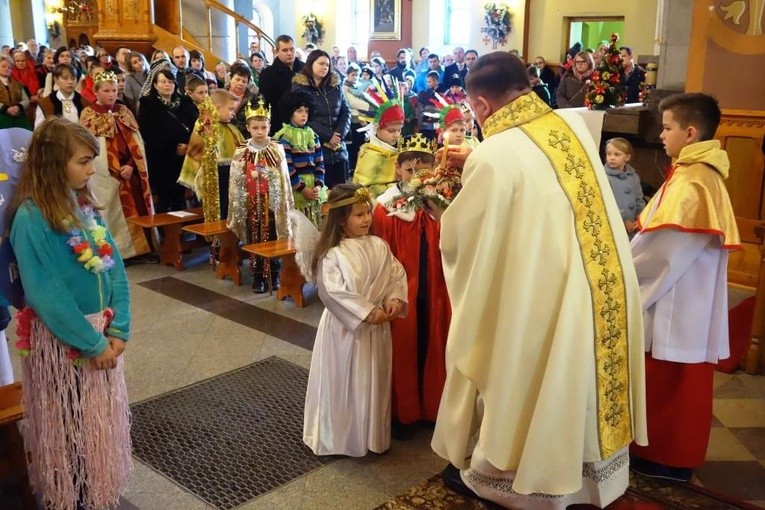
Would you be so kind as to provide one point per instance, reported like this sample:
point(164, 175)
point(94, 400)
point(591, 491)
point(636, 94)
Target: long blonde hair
point(44, 178)
point(332, 231)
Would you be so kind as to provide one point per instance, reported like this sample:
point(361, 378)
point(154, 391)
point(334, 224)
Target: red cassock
point(419, 339)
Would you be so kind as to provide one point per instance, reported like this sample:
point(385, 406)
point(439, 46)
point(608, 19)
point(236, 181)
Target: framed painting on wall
point(386, 19)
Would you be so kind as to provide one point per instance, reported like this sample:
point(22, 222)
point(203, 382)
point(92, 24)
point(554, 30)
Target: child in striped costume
point(303, 154)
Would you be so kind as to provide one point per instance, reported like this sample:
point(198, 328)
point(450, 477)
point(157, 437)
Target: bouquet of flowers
point(497, 18)
point(604, 89)
point(439, 185)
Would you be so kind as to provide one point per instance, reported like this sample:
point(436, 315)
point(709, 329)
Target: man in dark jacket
point(458, 67)
point(276, 79)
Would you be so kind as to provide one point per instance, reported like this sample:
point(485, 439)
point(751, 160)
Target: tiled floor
point(188, 326)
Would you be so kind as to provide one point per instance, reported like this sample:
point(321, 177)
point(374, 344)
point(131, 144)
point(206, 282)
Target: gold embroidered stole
point(576, 177)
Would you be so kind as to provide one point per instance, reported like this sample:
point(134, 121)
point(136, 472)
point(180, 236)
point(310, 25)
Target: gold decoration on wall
point(735, 10)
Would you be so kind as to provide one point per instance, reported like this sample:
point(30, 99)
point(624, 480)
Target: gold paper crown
point(105, 76)
point(260, 111)
point(361, 195)
point(417, 143)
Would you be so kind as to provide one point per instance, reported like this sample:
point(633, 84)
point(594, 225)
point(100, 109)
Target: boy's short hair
point(621, 144)
point(193, 81)
point(405, 157)
point(258, 118)
point(60, 69)
point(221, 97)
point(695, 109)
point(532, 71)
point(432, 74)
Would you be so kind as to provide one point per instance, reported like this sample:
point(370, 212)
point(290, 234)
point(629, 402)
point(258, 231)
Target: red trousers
point(679, 412)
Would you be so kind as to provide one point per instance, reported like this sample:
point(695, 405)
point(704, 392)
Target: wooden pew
point(13, 466)
point(228, 254)
point(746, 268)
point(291, 280)
point(172, 247)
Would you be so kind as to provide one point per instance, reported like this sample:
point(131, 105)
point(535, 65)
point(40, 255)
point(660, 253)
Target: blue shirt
point(59, 288)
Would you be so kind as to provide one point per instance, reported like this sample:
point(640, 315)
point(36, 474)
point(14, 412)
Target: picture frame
point(386, 20)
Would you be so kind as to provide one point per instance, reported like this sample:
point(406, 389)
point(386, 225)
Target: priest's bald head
point(495, 80)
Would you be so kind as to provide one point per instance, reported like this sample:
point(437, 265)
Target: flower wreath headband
point(361, 195)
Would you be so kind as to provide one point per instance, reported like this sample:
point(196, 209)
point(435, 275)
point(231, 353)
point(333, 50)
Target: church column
point(6, 29)
point(673, 34)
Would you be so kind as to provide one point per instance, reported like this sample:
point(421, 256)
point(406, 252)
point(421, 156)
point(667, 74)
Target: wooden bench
point(746, 268)
point(228, 254)
point(172, 247)
point(13, 467)
point(291, 280)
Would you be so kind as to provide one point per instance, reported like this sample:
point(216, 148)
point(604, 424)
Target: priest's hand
point(126, 171)
point(433, 209)
point(456, 156)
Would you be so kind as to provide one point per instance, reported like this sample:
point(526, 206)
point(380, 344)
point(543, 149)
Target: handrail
point(238, 18)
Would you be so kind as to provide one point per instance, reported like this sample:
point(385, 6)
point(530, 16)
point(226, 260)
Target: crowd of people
point(521, 315)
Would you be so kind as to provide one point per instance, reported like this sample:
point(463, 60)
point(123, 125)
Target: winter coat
point(275, 80)
point(329, 113)
point(570, 93)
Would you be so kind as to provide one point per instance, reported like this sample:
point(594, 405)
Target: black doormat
point(230, 438)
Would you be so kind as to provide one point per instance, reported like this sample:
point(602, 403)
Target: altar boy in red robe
point(419, 339)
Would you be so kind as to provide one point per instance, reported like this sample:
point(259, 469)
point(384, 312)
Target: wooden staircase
point(174, 33)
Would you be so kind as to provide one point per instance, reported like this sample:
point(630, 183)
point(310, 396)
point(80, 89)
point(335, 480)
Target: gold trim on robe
point(599, 256)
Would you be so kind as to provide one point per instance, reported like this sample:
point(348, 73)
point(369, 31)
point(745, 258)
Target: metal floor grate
point(230, 438)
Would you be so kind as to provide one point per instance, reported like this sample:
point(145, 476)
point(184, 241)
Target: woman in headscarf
point(166, 123)
point(14, 100)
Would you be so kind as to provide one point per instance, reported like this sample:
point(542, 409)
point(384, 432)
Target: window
point(360, 21)
point(457, 24)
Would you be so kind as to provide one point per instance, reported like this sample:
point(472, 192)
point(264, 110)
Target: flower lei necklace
point(95, 262)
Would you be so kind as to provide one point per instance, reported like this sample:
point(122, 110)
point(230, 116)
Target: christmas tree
point(604, 88)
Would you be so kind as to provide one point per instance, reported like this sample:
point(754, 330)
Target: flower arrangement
point(439, 185)
point(604, 88)
point(497, 18)
point(314, 29)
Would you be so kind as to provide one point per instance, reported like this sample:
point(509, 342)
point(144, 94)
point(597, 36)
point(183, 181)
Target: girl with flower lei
point(75, 325)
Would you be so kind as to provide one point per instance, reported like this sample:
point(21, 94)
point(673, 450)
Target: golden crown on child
point(105, 76)
point(417, 143)
point(260, 111)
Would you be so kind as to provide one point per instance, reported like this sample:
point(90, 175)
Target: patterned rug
point(643, 494)
point(230, 438)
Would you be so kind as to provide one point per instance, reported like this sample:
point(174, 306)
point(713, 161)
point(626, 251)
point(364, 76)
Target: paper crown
point(417, 143)
point(105, 76)
point(260, 111)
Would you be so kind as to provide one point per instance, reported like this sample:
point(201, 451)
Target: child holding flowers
point(419, 339)
point(75, 325)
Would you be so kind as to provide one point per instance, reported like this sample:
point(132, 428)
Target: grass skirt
point(77, 424)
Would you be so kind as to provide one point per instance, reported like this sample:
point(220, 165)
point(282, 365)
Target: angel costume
point(347, 405)
point(121, 144)
point(545, 348)
point(260, 198)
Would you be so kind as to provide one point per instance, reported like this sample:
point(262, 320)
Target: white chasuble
point(545, 351)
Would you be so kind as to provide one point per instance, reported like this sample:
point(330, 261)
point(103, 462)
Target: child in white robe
point(363, 287)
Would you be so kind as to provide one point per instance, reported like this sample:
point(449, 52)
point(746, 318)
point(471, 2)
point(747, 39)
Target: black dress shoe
point(453, 480)
point(259, 286)
point(652, 469)
point(401, 432)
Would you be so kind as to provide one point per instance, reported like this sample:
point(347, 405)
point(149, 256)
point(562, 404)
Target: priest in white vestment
point(545, 381)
